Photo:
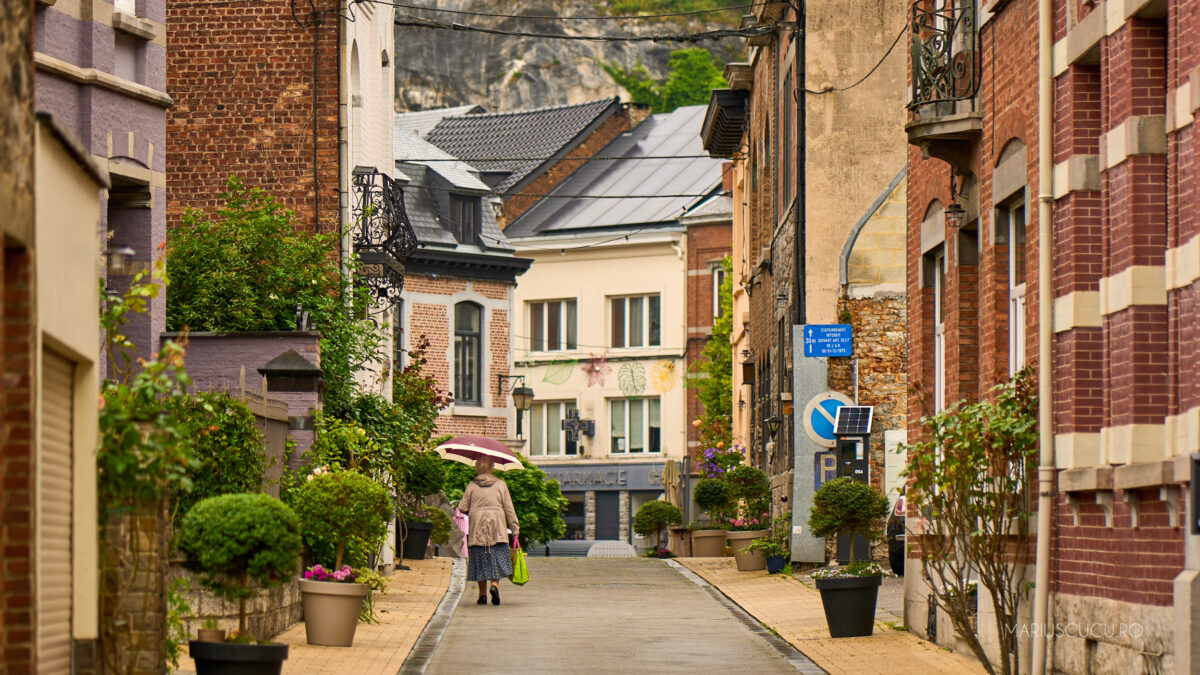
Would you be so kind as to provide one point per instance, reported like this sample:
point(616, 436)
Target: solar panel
point(853, 420)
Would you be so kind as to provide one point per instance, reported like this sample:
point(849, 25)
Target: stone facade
point(268, 613)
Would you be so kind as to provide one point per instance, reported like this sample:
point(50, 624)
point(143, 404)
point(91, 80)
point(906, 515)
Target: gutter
point(800, 82)
point(1046, 468)
point(344, 140)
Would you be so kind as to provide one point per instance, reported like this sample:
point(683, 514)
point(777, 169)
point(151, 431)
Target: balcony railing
point(945, 52)
point(383, 236)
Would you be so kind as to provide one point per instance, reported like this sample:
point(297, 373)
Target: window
point(935, 279)
point(397, 337)
point(718, 278)
point(468, 334)
point(636, 425)
point(636, 321)
point(552, 325)
point(464, 218)
point(1010, 235)
point(546, 435)
point(785, 150)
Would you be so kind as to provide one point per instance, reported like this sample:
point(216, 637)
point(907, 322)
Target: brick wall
point(517, 203)
point(243, 81)
point(16, 461)
point(707, 245)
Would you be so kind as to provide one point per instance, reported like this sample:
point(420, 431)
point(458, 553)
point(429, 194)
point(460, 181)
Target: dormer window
point(464, 218)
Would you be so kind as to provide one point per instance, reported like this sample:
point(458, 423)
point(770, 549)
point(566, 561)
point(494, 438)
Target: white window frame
point(718, 278)
point(568, 334)
point(1009, 229)
point(627, 334)
point(626, 406)
point(939, 329)
point(541, 431)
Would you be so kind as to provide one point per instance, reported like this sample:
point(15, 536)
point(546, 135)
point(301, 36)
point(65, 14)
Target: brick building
point(460, 285)
point(1121, 197)
point(813, 125)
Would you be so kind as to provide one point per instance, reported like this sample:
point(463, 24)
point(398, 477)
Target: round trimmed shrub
point(229, 448)
point(424, 474)
point(653, 516)
point(711, 495)
point(749, 488)
point(339, 510)
point(846, 506)
point(232, 540)
point(441, 526)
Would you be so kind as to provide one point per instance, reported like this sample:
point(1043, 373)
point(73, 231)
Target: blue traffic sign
point(823, 417)
point(828, 340)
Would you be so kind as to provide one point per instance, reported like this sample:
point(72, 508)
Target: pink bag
point(461, 522)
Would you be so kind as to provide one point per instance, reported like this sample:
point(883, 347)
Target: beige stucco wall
point(877, 260)
point(740, 338)
point(66, 254)
point(649, 263)
point(856, 141)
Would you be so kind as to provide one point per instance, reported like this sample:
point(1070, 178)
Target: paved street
point(602, 615)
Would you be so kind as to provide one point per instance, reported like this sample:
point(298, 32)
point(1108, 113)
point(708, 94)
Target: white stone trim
point(1179, 106)
point(1117, 12)
point(1076, 450)
point(1138, 135)
point(1137, 285)
point(1077, 309)
point(1079, 173)
point(1183, 264)
point(99, 78)
point(1132, 444)
point(1181, 433)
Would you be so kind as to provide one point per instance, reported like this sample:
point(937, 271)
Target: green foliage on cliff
point(642, 7)
point(693, 75)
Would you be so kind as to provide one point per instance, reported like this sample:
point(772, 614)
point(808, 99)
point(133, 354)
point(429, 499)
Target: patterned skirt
point(485, 563)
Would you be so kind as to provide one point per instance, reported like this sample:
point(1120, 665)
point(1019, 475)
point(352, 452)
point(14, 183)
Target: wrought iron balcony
point(383, 236)
point(945, 52)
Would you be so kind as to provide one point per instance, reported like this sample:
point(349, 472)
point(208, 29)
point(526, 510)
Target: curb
point(422, 652)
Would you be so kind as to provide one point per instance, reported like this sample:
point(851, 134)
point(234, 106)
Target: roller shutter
point(54, 507)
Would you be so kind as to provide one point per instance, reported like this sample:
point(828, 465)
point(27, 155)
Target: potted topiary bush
point(424, 475)
point(237, 544)
point(652, 518)
point(750, 492)
point(712, 495)
point(844, 506)
point(775, 545)
point(340, 512)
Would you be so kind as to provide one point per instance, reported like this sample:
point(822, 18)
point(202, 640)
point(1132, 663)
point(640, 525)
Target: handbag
point(520, 575)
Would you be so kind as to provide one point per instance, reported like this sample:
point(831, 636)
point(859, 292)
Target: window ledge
point(147, 30)
point(468, 410)
point(1091, 479)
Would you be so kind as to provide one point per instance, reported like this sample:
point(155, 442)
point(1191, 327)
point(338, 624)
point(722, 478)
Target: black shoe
point(482, 600)
point(495, 595)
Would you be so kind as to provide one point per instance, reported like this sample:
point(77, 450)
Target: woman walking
point(489, 506)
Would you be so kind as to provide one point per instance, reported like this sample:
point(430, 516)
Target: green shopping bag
point(520, 573)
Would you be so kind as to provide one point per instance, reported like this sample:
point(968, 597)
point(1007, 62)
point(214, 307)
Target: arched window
point(468, 359)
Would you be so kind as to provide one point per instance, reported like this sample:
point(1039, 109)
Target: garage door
point(54, 492)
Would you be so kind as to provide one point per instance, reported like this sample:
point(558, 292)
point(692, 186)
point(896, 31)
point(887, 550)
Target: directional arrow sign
point(820, 415)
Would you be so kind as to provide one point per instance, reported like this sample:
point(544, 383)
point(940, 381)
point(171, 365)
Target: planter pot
point(680, 541)
point(210, 635)
point(849, 604)
point(331, 611)
point(747, 562)
point(776, 563)
point(708, 543)
point(417, 541)
point(223, 658)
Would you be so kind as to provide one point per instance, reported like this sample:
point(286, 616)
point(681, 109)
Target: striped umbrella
point(469, 449)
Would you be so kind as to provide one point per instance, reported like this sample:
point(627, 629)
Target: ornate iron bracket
point(382, 234)
point(945, 51)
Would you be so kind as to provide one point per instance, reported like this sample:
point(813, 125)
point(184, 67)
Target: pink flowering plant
point(757, 522)
point(318, 573)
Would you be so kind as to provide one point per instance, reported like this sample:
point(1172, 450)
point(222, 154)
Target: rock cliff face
point(436, 68)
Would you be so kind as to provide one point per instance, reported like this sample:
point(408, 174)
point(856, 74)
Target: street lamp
point(522, 395)
point(772, 425)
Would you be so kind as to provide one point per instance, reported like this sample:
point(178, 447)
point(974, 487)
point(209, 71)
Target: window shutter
point(55, 485)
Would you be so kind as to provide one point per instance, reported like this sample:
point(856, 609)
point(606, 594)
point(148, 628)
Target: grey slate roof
point(422, 121)
point(502, 142)
point(671, 134)
point(407, 147)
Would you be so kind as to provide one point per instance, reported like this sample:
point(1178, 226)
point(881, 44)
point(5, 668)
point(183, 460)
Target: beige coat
point(490, 509)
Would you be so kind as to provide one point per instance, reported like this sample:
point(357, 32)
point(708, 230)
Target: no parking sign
point(820, 415)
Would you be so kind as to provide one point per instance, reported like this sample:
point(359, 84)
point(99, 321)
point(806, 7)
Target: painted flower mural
point(597, 369)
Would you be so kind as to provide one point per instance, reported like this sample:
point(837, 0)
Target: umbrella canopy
point(468, 449)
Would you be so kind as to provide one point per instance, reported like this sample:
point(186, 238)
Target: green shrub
point(712, 495)
point(231, 541)
point(342, 512)
point(750, 490)
point(229, 448)
point(441, 526)
point(844, 506)
point(424, 475)
point(653, 516)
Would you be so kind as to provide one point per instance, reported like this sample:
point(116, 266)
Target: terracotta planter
point(331, 611)
point(680, 541)
point(747, 562)
point(708, 543)
point(210, 635)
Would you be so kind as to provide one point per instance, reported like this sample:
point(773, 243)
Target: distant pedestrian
point(489, 506)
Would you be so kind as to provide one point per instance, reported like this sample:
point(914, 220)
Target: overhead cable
point(755, 31)
point(611, 17)
point(830, 90)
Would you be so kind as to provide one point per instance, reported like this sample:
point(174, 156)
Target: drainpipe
point(1046, 471)
point(344, 167)
point(799, 81)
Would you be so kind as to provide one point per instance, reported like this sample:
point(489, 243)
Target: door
point(608, 515)
point(55, 478)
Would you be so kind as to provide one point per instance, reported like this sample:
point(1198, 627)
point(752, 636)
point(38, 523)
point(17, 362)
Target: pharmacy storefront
point(603, 497)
